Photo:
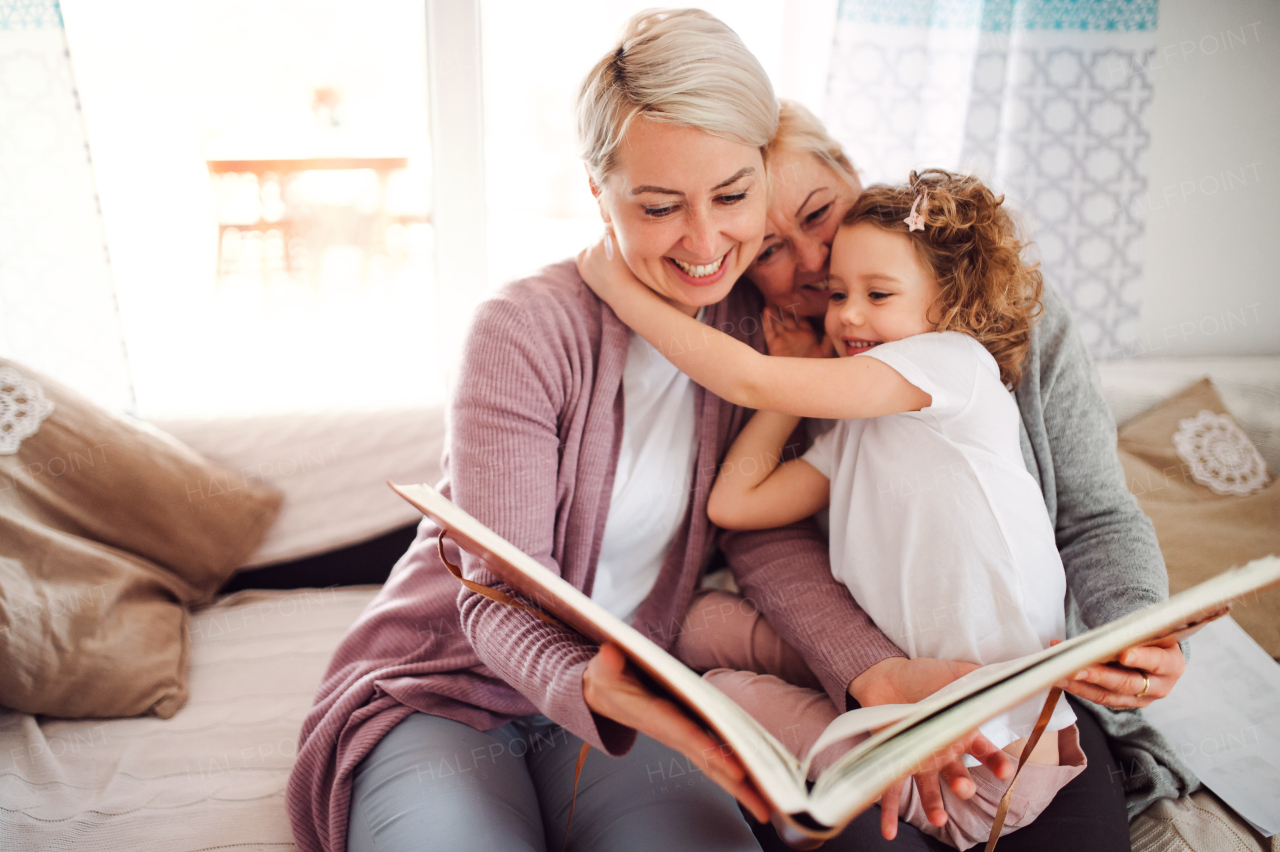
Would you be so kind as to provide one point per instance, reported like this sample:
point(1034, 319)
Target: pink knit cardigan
point(535, 429)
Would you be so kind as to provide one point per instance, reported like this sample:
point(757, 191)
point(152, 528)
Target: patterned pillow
point(1208, 493)
point(108, 529)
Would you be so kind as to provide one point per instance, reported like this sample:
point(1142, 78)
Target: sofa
point(212, 776)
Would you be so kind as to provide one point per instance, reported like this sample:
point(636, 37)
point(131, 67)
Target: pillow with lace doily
point(108, 529)
point(1208, 494)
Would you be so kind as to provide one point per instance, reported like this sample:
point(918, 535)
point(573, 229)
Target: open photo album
point(905, 735)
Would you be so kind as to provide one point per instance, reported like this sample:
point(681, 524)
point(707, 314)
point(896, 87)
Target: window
point(265, 175)
point(264, 172)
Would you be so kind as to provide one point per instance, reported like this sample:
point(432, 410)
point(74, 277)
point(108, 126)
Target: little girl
point(936, 527)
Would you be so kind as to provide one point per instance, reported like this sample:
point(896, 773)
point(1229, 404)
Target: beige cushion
point(1196, 823)
point(124, 483)
point(108, 528)
point(1202, 533)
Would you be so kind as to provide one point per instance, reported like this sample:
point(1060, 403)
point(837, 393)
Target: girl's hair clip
point(915, 220)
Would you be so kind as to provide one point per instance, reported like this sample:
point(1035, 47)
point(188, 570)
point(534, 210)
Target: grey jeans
point(433, 783)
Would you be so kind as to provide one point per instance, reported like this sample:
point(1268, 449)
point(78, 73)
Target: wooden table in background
point(282, 167)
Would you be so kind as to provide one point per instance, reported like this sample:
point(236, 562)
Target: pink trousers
point(726, 637)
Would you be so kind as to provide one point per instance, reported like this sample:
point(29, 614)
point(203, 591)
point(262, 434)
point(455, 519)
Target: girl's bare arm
point(755, 489)
point(839, 388)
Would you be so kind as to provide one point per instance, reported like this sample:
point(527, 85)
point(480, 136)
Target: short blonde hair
point(682, 66)
point(800, 131)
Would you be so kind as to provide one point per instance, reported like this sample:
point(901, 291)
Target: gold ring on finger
point(1146, 684)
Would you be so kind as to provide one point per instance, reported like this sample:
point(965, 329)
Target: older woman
point(451, 720)
point(1108, 547)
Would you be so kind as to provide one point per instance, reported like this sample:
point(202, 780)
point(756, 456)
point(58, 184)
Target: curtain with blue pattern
point(1043, 99)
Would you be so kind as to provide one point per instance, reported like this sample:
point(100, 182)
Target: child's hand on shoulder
point(792, 336)
point(606, 273)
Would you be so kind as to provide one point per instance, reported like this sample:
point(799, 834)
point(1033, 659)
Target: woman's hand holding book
point(612, 690)
point(1140, 676)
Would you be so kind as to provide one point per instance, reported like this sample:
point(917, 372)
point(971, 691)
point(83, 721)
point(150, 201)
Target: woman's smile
point(701, 274)
point(687, 210)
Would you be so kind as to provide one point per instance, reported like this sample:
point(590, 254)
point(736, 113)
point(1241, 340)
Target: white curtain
point(58, 311)
point(1044, 99)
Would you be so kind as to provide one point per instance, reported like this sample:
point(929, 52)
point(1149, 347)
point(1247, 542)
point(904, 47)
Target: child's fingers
point(772, 336)
point(594, 265)
point(770, 326)
point(931, 797)
point(889, 802)
point(997, 760)
point(957, 777)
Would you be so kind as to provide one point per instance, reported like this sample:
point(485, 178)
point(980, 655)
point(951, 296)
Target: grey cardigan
point(1108, 546)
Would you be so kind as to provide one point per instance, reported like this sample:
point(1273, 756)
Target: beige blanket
point(213, 775)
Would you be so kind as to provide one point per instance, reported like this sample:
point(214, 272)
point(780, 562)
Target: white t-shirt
point(651, 486)
point(938, 529)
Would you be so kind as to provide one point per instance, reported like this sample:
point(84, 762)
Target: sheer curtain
point(58, 311)
point(1044, 99)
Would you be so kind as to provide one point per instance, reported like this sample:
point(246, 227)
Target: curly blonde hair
point(971, 245)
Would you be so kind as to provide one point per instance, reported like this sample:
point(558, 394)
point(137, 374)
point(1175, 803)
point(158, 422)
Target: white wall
point(1212, 269)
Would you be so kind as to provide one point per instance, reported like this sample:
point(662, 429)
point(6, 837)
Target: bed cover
point(211, 777)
